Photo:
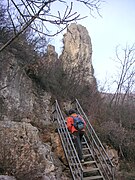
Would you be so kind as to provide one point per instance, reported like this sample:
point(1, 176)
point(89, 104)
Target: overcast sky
point(115, 27)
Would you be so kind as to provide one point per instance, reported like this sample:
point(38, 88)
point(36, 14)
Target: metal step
point(84, 143)
point(87, 155)
point(93, 177)
point(89, 162)
point(90, 170)
point(85, 148)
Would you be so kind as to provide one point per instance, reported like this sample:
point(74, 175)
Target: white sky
point(115, 27)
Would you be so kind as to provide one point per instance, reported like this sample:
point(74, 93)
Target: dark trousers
point(77, 139)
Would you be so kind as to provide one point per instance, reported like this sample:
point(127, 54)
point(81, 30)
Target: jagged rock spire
point(77, 52)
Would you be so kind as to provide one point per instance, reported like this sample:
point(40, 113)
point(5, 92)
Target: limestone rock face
point(22, 153)
point(51, 53)
point(50, 58)
point(57, 147)
point(77, 52)
point(113, 155)
point(2, 177)
point(19, 99)
point(25, 113)
point(24, 156)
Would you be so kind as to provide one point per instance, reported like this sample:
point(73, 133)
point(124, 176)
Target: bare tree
point(126, 73)
point(38, 15)
point(123, 97)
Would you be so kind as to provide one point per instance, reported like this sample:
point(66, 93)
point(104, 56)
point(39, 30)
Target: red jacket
point(70, 122)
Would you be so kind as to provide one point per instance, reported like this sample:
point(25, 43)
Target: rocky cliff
point(25, 131)
point(77, 53)
point(20, 99)
point(30, 149)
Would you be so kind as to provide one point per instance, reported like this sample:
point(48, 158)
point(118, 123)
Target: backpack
point(78, 123)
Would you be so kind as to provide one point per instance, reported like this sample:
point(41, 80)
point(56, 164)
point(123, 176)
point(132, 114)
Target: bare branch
point(126, 78)
point(23, 14)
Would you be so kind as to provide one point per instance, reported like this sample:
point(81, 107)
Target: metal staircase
point(97, 164)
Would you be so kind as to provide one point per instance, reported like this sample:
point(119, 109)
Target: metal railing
point(67, 144)
point(99, 152)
